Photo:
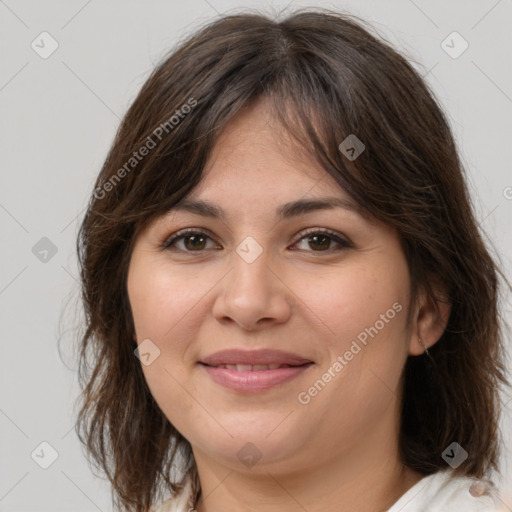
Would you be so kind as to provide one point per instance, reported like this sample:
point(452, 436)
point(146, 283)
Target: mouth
point(254, 371)
point(259, 360)
point(254, 367)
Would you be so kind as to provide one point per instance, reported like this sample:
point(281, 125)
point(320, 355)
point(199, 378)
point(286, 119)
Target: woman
point(289, 304)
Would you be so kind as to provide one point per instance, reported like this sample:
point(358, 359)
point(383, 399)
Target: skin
point(339, 452)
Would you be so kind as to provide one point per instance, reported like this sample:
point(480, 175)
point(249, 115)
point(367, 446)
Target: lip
point(262, 356)
point(254, 381)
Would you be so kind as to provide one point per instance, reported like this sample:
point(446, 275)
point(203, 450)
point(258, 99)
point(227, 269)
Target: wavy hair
point(327, 76)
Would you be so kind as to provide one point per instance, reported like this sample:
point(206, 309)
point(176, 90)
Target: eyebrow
point(285, 211)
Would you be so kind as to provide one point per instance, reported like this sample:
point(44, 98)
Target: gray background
point(59, 115)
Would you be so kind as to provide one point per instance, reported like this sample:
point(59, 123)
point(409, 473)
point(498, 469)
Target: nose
point(253, 295)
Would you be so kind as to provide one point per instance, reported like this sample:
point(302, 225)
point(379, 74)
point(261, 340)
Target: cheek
point(161, 299)
point(363, 314)
point(347, 301)
point(365, 346)
point(162, 303)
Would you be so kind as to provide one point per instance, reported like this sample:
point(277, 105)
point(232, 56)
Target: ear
point(429, 319)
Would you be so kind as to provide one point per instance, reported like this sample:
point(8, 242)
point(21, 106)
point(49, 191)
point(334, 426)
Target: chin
point(257, 450)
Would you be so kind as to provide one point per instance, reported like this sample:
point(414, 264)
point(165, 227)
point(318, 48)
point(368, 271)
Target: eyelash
point(171, 241)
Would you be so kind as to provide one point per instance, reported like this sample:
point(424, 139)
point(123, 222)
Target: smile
point(250, 379)
point(252, 367)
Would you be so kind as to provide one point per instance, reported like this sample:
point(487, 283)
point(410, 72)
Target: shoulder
point(181, 502)
point(443, 492)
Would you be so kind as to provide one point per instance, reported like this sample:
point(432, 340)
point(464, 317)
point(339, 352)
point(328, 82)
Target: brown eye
point(321, 241)
point(188, 241)
point(197, 241)
point(193, 242)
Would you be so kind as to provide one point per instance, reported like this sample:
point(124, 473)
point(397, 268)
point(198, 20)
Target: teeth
point(250, 367)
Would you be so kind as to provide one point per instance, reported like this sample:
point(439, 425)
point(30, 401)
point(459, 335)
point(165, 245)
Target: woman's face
point(263, 275)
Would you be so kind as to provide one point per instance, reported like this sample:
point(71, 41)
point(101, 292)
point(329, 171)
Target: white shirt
point(433, 493)
point(440, 493)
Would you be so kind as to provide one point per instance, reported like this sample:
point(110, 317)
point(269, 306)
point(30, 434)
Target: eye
point(195, 240)
point(320, 240)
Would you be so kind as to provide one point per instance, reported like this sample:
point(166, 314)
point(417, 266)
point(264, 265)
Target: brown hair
point(327, 77)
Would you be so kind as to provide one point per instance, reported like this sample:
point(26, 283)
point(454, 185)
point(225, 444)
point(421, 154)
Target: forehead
point(257, 171)
point(255, 158)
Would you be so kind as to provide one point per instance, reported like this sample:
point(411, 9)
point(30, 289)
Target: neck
point(351, 483)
